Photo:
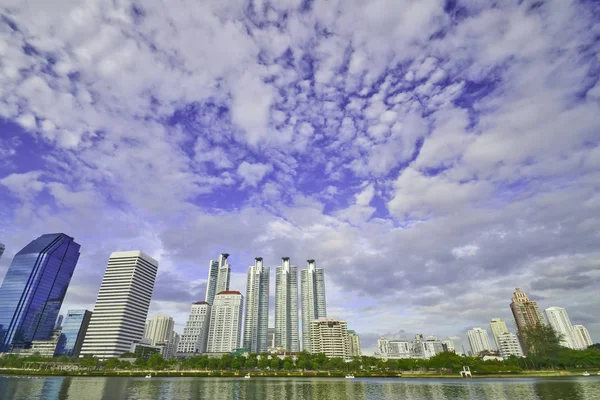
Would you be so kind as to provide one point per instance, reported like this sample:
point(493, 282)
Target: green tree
point(275, 363)
point(140, 363)
point(263, 362)
point(288, 364)
point(542, 340)
point(156, 362)
point(213, 363)
point(112, 363)
point(251, 362)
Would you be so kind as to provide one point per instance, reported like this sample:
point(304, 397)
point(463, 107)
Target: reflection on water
point(91, 388)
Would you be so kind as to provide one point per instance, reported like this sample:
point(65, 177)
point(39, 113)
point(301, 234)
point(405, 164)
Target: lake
point(113, 388)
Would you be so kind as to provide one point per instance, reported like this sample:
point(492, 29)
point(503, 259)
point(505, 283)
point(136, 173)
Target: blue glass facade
point(74, 327)
point(33, 289)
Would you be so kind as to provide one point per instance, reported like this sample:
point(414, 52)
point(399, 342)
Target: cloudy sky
point(431, 155)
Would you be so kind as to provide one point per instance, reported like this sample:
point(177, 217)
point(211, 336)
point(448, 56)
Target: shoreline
point(225, 374)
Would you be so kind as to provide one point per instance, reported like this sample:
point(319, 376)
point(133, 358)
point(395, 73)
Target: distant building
point(219, 275)
point(2, 249)
point(526, 314)
point(45, 348)
point(498, 327)
point(448, 345)
point(509, 345)
point(560, 322)
point(257, 307)
point(479, 340)
point(271, 338)
point(286, 306)
point(225, 322)
point(581, 337)
point(33, 290)
point(330, 337)
point(312, 280)
point(195, 334)
point(122, 304)
point(354, 344)
point(160, 330)
point(73, 332)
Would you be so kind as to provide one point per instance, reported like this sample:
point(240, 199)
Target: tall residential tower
point(560, 322)
point(479, 340)
point(312, 281)
point(219, 274)
point(256, 323)
point(34, 288)
point(195, 334)
point(498, 327)
point(286, 306)
point(122, 304)
point(225, 322)
point(526, 314)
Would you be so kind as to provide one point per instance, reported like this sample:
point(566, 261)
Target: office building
point(43, 348)
point(219, 275)
point(256, 323)
point(560, 322)
point(159, 330)
point(286, 306)
point(330, 337)
point(508, 345)
point(526, 314)
point(479, 340)
point(34, 288)
point(73, 332)
point(195, 334)
point(498, 327)
point(312, 282)
point(122, 304)
point(354, 344)
point(225, 322)
point(581, 337)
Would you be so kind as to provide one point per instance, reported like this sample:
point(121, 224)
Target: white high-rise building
point(448, 345)
point(195, 334)
point(312, 281)
point(330, 337)
point(508, 345)
point(479, 340)
point(219, 275)
point(581, 337)
point(225, 322)
point(354, 344)
point(286, 306)
point(256, 323)
point(122, 304)
point(159, 330)
point(560, 322)
point(498, 327)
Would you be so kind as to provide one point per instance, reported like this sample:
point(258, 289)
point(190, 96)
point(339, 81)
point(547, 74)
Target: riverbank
point(293, 374)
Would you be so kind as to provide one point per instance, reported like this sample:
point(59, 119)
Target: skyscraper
point(160, 330)
point(2, 249)
point(286, 306)
point(195, 334)
point(225, 322)
point(498, 327)
point(581, 337)
point(312, 281)
point(330, 337)
point(219, 274)
point(73, 332)
point(509, 345)
point(122, 304)
point(479, 340)
point(560, 322)
point(256, 323)
point(526, 314)
point(354, 340)
point(34, 288)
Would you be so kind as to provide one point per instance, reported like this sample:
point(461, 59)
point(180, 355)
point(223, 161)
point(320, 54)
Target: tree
point(275, 363)
point(542, 340)
point(156, 362)
point(113, 363)
point(263, 362)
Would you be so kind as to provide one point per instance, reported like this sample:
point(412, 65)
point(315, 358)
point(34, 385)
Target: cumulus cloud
point(252, 174)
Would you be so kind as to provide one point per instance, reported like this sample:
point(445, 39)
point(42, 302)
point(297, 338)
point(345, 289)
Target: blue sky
point(430, 155)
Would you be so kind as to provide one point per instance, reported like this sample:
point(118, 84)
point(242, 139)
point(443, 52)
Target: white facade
point(122, 304)
point(560, 322)
point(479, 340)
point(256, 323)
point(498, 327)
point(313, 300)
point(508, 345)
point(225, 323)
point(160, 330)
point(195, 334)
point(354, 344)
point(219, 275)
point(330, 337)
point(581, 337)
point(448, 345)
point(286, 306)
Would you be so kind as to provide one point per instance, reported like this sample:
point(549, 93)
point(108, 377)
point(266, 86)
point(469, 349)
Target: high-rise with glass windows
point(195, 334)
point(119, 316)
point(498, 327)
point(286, 306)
point(479, 340)
point(225, 322)
point(219, 275)
point(312, 281)
point(34, 288)
point(581, 337)
point(256, 323)
point(526, 314)
point(560, 322)
point(74, 328)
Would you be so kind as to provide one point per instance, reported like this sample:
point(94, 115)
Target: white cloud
point(252, 174)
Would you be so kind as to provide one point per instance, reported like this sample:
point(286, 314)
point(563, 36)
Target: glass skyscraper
point(33, 289)
point(73, 331)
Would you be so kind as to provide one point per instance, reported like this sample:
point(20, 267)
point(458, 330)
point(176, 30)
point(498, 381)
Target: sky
point(430, 155)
